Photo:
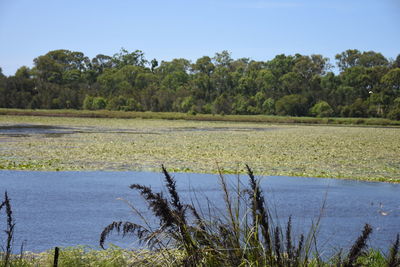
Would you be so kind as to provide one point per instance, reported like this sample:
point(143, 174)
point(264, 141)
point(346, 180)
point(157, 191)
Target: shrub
point(88, 102)
point(269, 106)
point(293, 105)
point(116, 103)
point(222, 105)
point(99, 103)
point(321, 109)
point(394, 113)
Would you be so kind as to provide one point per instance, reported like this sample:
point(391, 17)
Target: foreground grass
point(364, 153)
point(86, 256)
point(118, 257)
point(197, 117)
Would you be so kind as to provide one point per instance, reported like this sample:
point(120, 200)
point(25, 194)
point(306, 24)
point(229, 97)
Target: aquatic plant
point(364, 153)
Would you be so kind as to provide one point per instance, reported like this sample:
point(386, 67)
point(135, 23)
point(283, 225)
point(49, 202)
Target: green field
point(365, 153)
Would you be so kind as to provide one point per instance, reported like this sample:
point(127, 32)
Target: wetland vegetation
point(365, 153)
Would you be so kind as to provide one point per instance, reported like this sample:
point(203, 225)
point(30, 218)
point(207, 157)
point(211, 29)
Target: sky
point(258, 29)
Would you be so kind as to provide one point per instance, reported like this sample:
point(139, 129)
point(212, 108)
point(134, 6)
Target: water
point(72, 208)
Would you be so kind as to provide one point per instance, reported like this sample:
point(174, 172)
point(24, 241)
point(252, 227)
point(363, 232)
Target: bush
point(116, 103)
point(269, 106)
point(187, 104)
point(321, 109)
point(222, 105)
point(293, 105)
point(99, 103)
point(394, 113)
point(358, 109)
point(88, 102)
point(133, 105)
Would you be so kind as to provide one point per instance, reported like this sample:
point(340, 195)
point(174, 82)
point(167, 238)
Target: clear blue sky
point(259, 29)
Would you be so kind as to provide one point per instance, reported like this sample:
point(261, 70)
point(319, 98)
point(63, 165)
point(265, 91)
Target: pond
point(72, 208)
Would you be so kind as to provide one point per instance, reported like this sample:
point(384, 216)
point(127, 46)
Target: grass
point(363, 153)
point(198, 117)
point(118, 257)
point(86, 256)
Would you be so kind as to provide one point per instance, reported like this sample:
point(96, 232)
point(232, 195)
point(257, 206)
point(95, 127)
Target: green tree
point(154, 64)
point(372, 59)
point(293, 105)
point(126, 58)
point(291, 83)
point(222, 104)
point(394, 112)
point(391, 81)
point(204, 65)
point(348, 59)
point(281, 64)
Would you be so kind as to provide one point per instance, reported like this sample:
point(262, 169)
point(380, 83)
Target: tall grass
point(198, 117)
point(9, 231)
point(244, 235)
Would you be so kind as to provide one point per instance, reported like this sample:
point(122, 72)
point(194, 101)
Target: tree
point(352, 57)
point(51, 66)
point(359, 79)
point(223, 59)
point(396, 62)
point(267, 82)
point(394, 112)
point(126, 58)
point(204, 65)
point(175, 79)
point(348, 59)
point(308, 66)
point(281, 64)
point(391, 81)
point(291, 83)
point(293, 105)
point(372, 59)
point(222, 105)
point(154, 64)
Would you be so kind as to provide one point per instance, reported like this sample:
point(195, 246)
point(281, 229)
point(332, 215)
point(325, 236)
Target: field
point(67, 143)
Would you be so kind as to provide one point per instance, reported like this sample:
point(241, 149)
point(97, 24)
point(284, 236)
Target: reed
point(9, 231)
point(245, 234)
point(394, 256)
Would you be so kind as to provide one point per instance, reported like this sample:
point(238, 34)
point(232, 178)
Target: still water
point(72, 208)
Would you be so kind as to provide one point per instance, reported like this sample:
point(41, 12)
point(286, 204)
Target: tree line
point(366, 84)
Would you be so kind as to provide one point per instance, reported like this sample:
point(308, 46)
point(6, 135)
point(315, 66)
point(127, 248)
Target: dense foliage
point(368, 84)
